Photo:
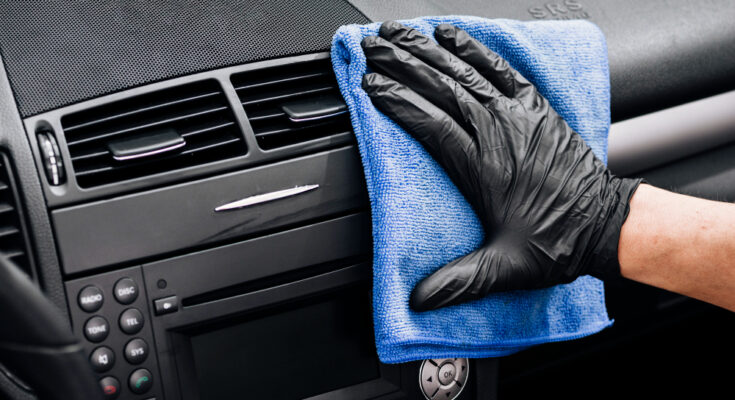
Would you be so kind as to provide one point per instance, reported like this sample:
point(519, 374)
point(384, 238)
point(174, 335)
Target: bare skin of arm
point(680, 243)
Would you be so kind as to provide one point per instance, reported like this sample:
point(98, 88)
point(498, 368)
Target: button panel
point(111, 316)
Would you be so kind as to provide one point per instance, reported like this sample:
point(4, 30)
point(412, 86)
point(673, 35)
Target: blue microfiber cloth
point(421, 221)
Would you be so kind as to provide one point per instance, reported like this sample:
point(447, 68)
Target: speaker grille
point(62, 52)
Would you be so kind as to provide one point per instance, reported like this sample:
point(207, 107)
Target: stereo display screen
point(290, 353)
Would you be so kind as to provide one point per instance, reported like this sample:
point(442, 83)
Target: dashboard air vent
point(14, 241)
point(152, 133)
point(293, 103)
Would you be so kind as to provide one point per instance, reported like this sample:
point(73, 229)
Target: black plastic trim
point(71, 193)
point(179, 217)
point(30, 268)
point(15, 142)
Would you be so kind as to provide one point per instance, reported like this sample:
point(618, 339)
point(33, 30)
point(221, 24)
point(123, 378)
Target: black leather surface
point(662, 52)
point(61, 52)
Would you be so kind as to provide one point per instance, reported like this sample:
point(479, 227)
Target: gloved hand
point(551, 210)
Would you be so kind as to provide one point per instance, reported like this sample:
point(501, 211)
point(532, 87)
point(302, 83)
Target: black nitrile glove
point(551, 210)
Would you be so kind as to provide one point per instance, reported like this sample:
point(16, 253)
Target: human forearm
point(680, 243)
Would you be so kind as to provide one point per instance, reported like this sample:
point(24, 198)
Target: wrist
point(605, 262)
point(645, 239)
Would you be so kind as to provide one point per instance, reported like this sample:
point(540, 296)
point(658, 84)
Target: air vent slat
point(146, 126)
point(8, 231)
point(266, 95)
point(140, 110)
point(94, 171)
point(287, 94)
point(198, 112)
point(209, 146)
point(94, 154)
point(208, 129)
point(11, 254)
point(262, 116)
point(190, 149)
point(285, 79)
point(14, 243)
point(293, 129)
point(4, 208)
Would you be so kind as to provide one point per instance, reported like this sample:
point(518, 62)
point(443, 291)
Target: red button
point(110, 387)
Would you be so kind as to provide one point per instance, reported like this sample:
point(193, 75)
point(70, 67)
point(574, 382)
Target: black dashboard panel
point(183, 216)
point(661, 52)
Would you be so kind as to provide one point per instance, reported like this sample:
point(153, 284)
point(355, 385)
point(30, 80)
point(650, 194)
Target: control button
point(136, 351)
point(429, 381)
point(462, 365)
point(131, 321)
point(140, 381)
point(90, 298)
point(102, 359)
point(166, 305)
point(51, 158)
point(443, 378)
point(446, 373)
point(110, 387)
point(126, 291)
point(96, 329)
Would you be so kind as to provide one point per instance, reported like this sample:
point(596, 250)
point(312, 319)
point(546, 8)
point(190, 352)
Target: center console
point(218, 247)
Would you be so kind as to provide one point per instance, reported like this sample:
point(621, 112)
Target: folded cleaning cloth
point(421, 221)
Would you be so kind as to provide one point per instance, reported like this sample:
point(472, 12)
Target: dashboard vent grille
point(264, 92)
point(14, 241)
point(197, 115)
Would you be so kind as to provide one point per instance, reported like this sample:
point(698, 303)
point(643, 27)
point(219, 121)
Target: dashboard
point(205, 240)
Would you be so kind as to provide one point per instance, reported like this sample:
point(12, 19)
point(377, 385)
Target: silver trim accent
point(644, 142)
point(150, 153)
point(266, 197)
point(318, 117)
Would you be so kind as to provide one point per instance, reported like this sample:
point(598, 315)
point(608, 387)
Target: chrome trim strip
point(318, 117)
point(266, 197)
point(150, 153)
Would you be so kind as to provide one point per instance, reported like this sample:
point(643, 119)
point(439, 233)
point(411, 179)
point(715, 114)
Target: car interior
point(183, 210)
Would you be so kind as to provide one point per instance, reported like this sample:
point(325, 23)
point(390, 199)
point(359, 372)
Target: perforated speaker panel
point(61, 52)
